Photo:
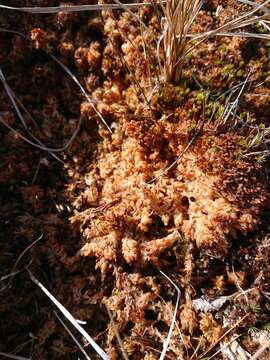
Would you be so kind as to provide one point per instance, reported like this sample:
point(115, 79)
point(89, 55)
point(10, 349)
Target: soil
point(157, 179)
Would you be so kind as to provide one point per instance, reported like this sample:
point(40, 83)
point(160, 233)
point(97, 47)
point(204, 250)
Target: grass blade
point(70, 318)
point(15, 357)
point(72, 336)
point(119, 340)
point(167, 341)
point(73, 8)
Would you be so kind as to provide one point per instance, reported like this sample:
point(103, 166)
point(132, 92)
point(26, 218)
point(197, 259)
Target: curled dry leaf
point(205, 305)
point(232, 350)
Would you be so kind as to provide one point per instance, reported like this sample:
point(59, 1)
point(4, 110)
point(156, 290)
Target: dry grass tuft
point(179, 17)
point(177, 39)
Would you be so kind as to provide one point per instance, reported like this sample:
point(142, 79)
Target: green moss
point(208, 111)
point(261, 28)
point(169, 96)
point(215, 149)
point(252, 330)
point(187, 91)
point(255, 307)
point(239, 156)
point(242, 64)
point(192, 128)
point(223, 50)
point(229, 68)
point(201, 96)
point(243, 144)
point(250, 119)
point(266, 327)
point(260, 159)
point(264, 74)
point(228, 73)
point(240, 73)
point(219, 62)
point(220, 110)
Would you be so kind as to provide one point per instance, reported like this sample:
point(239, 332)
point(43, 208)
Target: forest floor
point(176, 184)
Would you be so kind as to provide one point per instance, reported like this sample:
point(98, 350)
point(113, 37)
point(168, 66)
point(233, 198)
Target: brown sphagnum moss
point(175, 182)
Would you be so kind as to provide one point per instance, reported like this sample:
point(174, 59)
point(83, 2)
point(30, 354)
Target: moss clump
point(169, 97)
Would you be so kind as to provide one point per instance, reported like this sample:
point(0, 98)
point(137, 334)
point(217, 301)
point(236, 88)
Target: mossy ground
point(109, 220)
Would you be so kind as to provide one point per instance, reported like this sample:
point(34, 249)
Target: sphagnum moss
point(134, 213)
